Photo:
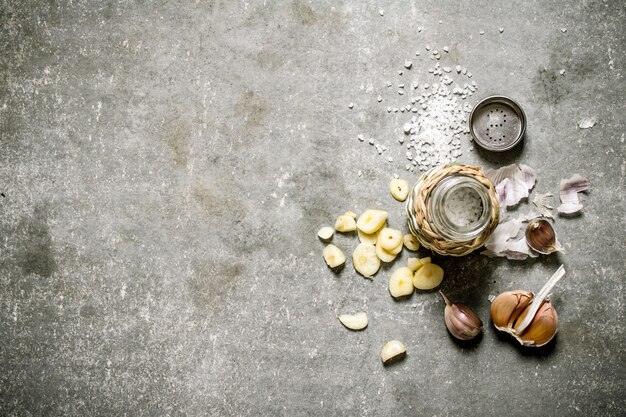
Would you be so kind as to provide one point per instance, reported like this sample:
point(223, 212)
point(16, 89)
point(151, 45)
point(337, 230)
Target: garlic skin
point(541, 237)
point(531, 319)
point(461, 321)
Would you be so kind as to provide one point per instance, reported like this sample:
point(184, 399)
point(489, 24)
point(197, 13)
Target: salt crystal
point(427, 48)
point(390, 159)
point(435, 52)
point(447, 69)
point(408, 64)
point(563, 30)
point(379, 99)
point(469, 75)
point(399, 72)
point(482, 32)
point(371, 141)
point(419, 29)
point(417, 53)
point(407, 166)
point(401, 140)
point(351, 105)
point(400, 85)
point(464, 71)
point(360, 137)
point(562, 72)
point(359, 173)
point(389, 84)
point(396, 176)
point(446, 49)
point(388, 109)
point(381, 12)
point(501, 30)
point(400, 92)
point(458, 69)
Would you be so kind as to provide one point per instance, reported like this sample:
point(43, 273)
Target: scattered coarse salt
point(563, 30)
point(446, 49)
point(359, 173)
point(388, 109)
point(435, 52)
point(381, 12)
point(408, 64)
point(401, 92)
point(379, 99)
point(396, 176)
point(417, 53)
point(351, 105)
point(401, 85)
point(458, 69)
point(390, 159)
point(501, 30)
point(482, 32)
point(562, 72)
point(360, 138)
point(427, 48)
point(389, 84)
point(419, 29)
point(371, 141)
point(400, 72)
point(446, 69)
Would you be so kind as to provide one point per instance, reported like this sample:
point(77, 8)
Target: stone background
point(164, 168)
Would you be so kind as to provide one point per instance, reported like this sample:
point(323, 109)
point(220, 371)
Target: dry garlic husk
point(530, 318)
point(461, 321)
point(541, 237)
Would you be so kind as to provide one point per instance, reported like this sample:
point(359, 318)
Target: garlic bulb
point(461, 321)
point(531, 319)
point(541, 237)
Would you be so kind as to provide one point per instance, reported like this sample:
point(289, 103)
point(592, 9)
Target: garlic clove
point(541, 237)
point(356, 321)
point(461, 320)
point(393, 351)
point(542, 328)
point(507, 307)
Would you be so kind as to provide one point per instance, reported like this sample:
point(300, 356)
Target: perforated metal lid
point(497, 123)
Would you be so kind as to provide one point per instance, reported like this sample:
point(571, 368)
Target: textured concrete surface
point(164, 167)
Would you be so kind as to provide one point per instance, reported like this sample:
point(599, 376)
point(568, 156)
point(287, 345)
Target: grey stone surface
point(164, 167)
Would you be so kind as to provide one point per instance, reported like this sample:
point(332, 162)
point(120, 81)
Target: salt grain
point(501, 30)
point(351, 105)
point(408, 64)
point(446, 49)
point(482, 32)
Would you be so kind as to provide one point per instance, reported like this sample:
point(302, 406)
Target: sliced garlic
point(357, 321)
point(411, 242)
point(365, 260)
point(401, 282)
point(367, 238)
point(326, 233)
point(384, 255)
point(429, 276)
point(345, 224)
point(389, 239)
point(393, 351)
point(399, 189)
point(371, 221)
point(333, 256)
point(414, 264)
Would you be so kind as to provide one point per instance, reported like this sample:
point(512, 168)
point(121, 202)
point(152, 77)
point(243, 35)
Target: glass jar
point(453, 209)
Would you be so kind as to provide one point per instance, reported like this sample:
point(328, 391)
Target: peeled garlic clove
point(413, 264)
point(345, 224)
point(365, 260)
point(326, 233)
point(350, 213)
point(365, 238)
point(429, 276)
point(411, 242)
point(389, 239)
point(507, 307)
point(393, 351)
point(384, 255)
point(333, 256)
point(461, 321)
point(401, 283)
point(542, 328)
point(399, 189)
point(371, 220)
point(356, 321)
point(541, 237)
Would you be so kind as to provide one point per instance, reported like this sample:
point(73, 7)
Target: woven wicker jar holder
point(418, 216)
